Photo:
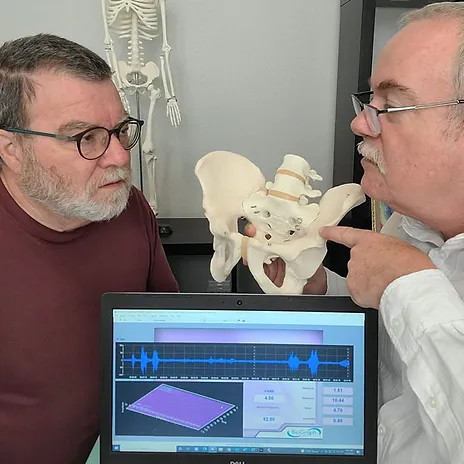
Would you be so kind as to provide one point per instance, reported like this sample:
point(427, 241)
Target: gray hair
point(452, 11)
point(22, 57)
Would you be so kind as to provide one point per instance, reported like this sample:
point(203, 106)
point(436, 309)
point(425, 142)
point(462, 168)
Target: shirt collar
point(423, 233)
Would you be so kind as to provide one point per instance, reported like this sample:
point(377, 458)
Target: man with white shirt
point(414, 162)
point(412, 126)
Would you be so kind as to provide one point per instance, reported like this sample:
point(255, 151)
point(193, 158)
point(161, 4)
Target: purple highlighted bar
point(277, 336)
point(180, 407)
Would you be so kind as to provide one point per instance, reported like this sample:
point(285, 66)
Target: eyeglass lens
point(96, 141)
point(371, 115)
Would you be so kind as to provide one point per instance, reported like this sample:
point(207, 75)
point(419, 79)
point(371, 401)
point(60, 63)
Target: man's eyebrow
point(394, 86)
point(72, 126)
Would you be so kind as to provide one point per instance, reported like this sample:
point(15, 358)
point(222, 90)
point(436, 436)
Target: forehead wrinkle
point(71, 103)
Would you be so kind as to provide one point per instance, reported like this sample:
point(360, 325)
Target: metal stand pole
point(137, 103)
point(136, 78)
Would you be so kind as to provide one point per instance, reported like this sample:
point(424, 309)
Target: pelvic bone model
point(286, 218)
point(137, 20)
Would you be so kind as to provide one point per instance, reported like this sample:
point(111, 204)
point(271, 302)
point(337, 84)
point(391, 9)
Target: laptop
point(235, 379)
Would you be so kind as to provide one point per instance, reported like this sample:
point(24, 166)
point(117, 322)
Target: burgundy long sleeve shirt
point(50, 288)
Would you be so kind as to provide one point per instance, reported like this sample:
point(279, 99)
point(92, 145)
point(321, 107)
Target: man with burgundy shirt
point(72, 227)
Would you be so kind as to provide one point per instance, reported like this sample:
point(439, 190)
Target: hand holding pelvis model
point(286, 219)
point(137, 20)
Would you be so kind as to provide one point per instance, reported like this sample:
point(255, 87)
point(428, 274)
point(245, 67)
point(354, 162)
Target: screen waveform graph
point(226, 361)
point(182, 407)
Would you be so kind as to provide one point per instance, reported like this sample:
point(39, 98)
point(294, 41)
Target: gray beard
point(58, 194)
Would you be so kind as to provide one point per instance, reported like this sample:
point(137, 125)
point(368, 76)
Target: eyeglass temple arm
point(446, 103)
point(45, 134)
point(424, 106)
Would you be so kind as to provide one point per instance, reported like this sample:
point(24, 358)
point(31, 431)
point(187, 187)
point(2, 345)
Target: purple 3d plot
point(180, 407)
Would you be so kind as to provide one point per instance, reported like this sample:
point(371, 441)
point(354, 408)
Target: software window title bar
point(174, 316)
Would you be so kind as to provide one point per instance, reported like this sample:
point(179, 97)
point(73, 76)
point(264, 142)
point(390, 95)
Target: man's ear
point(11, 151)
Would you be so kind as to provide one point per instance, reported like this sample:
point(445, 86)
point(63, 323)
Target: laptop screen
point(264, 382)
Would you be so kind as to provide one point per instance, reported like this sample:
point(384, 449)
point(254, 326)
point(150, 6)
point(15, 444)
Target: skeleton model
point(287, 221)
point(137, 20)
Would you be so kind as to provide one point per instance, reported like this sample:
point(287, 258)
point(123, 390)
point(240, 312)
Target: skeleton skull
point(286, 220)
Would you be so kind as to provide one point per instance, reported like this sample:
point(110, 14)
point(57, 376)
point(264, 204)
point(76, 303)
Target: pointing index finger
point(347, 236)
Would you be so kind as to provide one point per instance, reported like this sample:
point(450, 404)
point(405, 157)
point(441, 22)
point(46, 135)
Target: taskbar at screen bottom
point(265, 450)
point(270, 450)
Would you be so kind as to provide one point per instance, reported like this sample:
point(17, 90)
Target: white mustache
point(116, 175)
point(374, 155)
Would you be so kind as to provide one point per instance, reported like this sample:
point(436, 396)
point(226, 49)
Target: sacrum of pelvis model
point(136, 21)
point(284, 213)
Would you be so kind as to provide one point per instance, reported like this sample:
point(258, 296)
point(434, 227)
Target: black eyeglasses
point(372, 113)
point(94, 141)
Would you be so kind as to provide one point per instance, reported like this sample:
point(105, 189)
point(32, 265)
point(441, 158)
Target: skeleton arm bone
point(166, 47)
point(172, 109)
point(110, 54)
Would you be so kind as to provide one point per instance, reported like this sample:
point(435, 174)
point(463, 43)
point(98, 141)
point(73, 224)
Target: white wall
point(255, 77)
point(386, 25)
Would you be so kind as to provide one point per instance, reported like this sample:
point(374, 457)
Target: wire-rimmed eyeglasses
point(372, 113)
point(93, 142)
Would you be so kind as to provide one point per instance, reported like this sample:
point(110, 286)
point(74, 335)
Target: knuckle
point(344, 233)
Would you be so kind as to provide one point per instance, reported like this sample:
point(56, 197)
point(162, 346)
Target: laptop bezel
point(194, 301)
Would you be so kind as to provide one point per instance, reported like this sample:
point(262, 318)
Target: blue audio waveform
point(293, 361)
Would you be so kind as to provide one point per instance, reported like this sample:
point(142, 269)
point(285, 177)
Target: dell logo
point(237, 462)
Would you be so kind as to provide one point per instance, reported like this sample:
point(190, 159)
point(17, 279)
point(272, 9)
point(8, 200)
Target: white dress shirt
point(421, 353)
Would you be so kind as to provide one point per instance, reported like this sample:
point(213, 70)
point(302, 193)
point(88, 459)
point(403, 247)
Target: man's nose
point(116, 154)
point(360, 126)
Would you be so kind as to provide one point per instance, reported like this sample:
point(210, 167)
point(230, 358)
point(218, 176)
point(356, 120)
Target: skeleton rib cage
point(135, 20)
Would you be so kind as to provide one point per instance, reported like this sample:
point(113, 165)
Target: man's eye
point(89, 137)
point(389, 104)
